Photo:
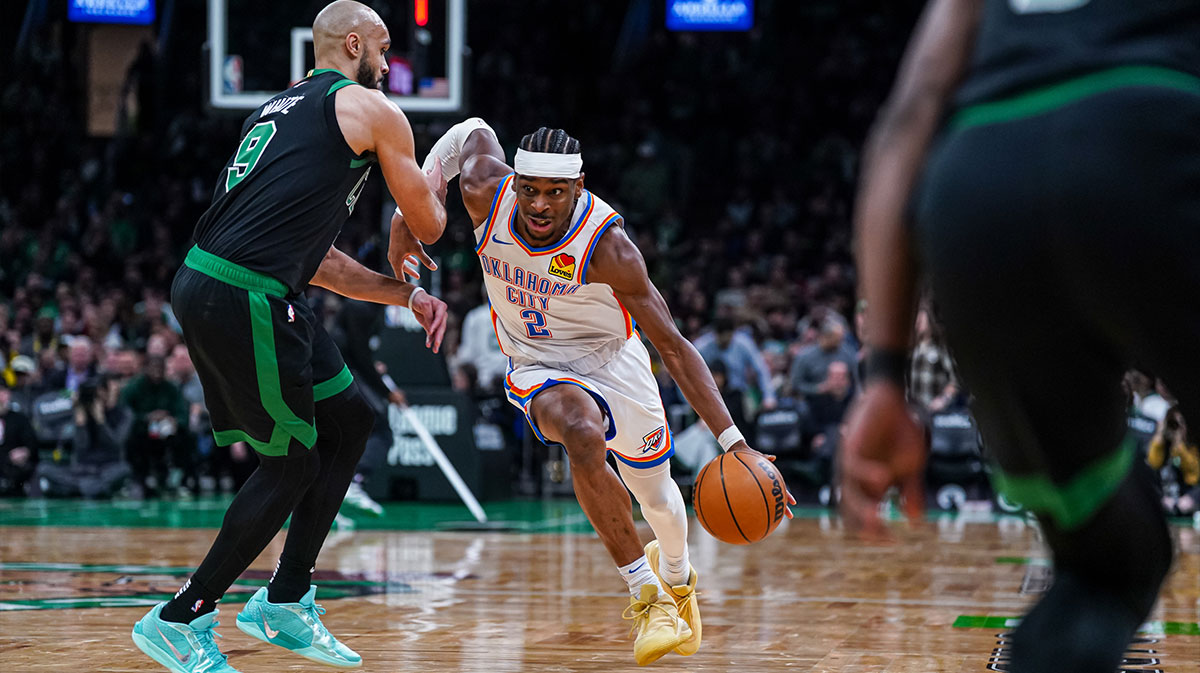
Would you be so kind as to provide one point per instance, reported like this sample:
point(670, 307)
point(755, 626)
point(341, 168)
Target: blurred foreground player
point(567, 286)
point(272, 376)
point(1060, 156)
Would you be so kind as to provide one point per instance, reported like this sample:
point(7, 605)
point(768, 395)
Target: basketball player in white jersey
point(567, 288)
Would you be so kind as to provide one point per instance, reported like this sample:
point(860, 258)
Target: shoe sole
point(311, 653)
point(143, 643)
point(654, 569)
point(659, 654)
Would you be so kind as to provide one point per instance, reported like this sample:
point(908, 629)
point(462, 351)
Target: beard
point(365, 75)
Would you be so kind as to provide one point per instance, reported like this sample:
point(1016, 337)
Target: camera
point(87, 391)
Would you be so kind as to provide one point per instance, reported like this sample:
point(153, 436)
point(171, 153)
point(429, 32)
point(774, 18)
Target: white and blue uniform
point(558, 329)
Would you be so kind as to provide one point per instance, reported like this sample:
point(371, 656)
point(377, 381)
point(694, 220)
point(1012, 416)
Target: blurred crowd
point(733, 158)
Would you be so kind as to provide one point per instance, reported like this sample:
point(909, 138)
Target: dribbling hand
point(431, 313)
point(883, 448)
point(745, 448)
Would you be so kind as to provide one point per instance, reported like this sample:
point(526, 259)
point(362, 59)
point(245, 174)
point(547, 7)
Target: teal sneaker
point(296, 627)
point(182, 648)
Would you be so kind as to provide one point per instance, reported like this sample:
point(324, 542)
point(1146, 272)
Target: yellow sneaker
point(685, 599)
point(657, 624)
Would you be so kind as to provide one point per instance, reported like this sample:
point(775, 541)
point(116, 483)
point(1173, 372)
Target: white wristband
point(729, 437)
point(414, 296)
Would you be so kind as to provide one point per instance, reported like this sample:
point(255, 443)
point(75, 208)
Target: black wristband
point(885, 364)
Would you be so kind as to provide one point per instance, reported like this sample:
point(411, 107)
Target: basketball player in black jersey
point(272, 376)
point(1057, 217)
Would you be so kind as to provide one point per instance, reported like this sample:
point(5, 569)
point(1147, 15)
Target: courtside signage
point(710, 14)
point(139, 12)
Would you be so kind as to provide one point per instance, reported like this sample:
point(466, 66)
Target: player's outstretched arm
point(618, 263)
point(340, 273)
point(371, 122)
point(883, 446)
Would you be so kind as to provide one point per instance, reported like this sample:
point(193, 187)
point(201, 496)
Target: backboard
point(258, 48)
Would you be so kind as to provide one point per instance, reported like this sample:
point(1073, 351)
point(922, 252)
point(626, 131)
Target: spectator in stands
point(81, 366)
point(96, 468)
point(740, 359)
point(43, 337)
point(18, 447)
point(1146, 398)
point(827, 409)
point(24, 382)
point(810, 370)
point(1177, 459)
point(159, 439)
point(931, 384)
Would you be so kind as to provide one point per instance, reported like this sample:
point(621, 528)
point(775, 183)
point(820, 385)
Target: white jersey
point(543, 308)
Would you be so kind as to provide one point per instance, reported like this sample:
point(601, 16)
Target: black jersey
point(288, 189)
point(1022, 44)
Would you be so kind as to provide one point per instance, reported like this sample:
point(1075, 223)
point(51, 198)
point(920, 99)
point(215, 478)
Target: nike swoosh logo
point(183, 658)
point(271, 633)
point(642, 565)
point(496, 240)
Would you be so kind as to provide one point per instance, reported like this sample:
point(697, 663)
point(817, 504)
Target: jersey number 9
point(249, 152)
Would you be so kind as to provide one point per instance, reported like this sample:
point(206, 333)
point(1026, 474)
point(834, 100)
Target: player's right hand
point(431, 313)
point(745, 448)
point(883, 448)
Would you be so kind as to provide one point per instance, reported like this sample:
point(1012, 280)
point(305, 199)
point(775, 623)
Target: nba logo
point(291, 314)
point(196, 607)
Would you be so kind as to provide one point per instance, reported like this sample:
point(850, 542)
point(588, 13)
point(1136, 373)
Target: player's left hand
point(743, 447)
point(431, 313)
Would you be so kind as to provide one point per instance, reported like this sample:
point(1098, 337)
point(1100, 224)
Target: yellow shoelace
point(640, 610)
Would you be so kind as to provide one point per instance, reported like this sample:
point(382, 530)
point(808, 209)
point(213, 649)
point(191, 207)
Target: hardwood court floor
point(806, 599)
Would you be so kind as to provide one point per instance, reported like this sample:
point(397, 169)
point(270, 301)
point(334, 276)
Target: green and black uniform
point(1059, 222)
point(279, 204)
point(271, 374)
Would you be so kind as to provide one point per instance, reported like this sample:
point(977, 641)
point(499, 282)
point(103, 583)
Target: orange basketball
point(739, 497)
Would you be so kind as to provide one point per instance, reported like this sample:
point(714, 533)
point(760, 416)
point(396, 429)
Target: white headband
point(548, 164)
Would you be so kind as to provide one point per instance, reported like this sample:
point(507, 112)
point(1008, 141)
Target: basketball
point(739, 497)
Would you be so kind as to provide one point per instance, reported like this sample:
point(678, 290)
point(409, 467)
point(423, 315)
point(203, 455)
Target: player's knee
point(310, 467)
point(351, 415)
point(584, 441)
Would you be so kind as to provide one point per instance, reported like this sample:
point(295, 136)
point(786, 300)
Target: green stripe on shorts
point(276, 446)
point(266, 366)
point(1045, 99)
point(327, 389)
point(1072, 504)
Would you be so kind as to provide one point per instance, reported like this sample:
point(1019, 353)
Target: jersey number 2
point(248, 153)
point(535, 324)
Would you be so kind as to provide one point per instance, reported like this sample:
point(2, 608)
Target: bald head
point(349, 36)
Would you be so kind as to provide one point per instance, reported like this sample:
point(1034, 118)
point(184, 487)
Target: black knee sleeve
point(1107, 577)
point(346, 418)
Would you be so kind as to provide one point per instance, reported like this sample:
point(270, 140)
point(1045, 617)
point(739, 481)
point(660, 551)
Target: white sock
point(675, 571)
point(663, 508)
point(637, 575)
